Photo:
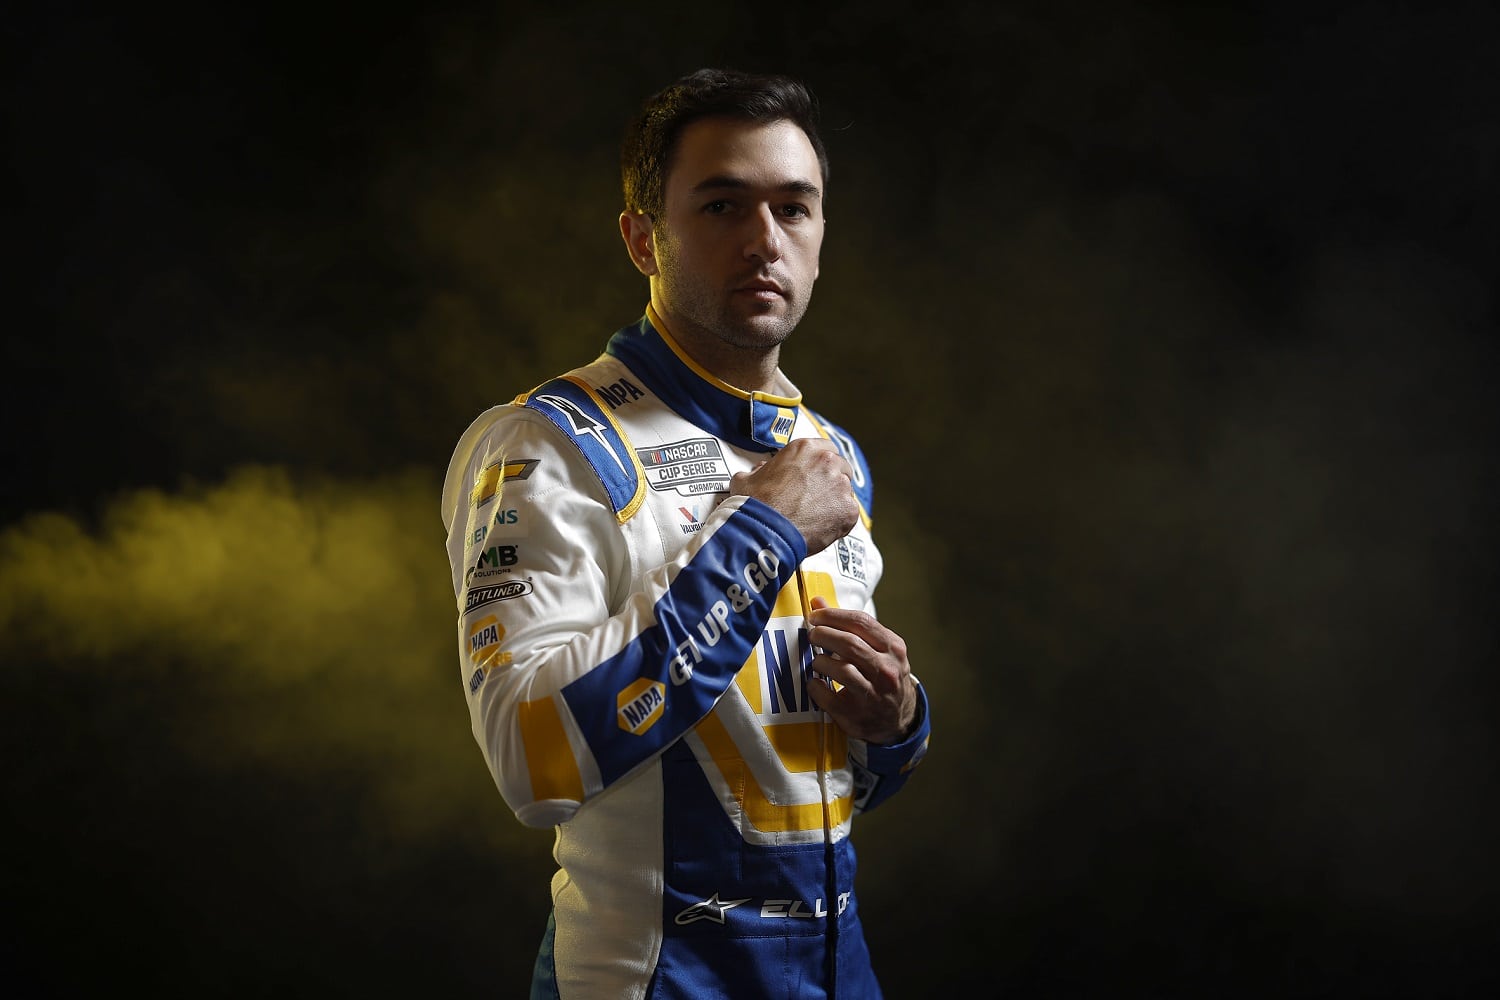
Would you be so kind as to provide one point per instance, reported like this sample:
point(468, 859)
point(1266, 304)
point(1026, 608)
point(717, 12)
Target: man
point(665, 579)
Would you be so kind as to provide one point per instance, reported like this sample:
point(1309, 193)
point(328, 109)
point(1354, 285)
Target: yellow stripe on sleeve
point(549, 758)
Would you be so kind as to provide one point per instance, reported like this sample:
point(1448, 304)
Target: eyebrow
point(721, 182)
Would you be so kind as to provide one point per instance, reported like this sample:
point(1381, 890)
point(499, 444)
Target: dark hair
point(651, 140)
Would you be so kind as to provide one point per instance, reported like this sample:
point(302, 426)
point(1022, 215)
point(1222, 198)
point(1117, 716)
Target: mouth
point(762, 288)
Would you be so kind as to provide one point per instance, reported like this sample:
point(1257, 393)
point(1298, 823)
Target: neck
point(751, 369)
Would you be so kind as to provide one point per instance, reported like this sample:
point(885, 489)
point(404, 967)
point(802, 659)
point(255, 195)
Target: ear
point(637, 231)
point(817, 266)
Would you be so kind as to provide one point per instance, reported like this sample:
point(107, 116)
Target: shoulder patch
point(579, 413)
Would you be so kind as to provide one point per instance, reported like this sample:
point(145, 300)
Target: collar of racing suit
point(756, 421)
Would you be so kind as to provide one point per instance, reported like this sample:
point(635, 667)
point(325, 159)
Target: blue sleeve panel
point(575, 410)
point(886, 768)
point(708, 620)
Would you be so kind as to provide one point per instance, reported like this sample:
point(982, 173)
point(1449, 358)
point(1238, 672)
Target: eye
point(719, 207)
point(795, 211)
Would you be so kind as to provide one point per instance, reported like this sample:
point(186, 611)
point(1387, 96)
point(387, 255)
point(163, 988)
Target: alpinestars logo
point(712, 908)
point(583, 424)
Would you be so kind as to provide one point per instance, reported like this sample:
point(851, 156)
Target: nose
point(764, 243)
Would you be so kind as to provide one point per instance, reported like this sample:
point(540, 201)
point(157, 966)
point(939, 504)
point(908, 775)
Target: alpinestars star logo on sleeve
point(583, 425)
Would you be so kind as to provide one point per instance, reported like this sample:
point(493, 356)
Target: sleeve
point(581, 664)
point(880, 771)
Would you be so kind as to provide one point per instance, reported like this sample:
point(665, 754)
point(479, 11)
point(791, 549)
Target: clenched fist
point(808, 482)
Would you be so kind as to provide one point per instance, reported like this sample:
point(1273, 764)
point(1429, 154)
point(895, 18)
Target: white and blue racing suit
point(633, 650)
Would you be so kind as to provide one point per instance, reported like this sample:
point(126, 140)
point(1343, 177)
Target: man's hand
point(808, 482)
point(877, 700)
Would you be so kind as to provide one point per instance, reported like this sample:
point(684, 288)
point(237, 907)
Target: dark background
point(1169, 334)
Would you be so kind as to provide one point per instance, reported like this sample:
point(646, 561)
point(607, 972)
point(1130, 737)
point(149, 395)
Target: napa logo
point(618, 393)
point(641, 705)
point(484, 649)
point(781, 427)
point(786, 655)
point(484, 639)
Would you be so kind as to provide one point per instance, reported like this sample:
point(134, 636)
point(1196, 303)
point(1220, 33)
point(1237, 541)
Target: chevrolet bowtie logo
point(711, 908)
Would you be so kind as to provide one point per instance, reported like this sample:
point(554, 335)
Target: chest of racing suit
point(633, 650)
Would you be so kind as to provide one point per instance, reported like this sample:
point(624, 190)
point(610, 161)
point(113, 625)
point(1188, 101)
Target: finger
point(860, 639)
point(824, 697)
point(817, 449)
point(849, 620)
point(842, 468)
point(842, 673)
point(818, 603)
point(846, 646)
point(809, 444)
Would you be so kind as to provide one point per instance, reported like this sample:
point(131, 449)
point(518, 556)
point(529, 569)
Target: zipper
point(830, 872)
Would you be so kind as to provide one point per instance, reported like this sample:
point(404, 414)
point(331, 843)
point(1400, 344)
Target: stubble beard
point(761, 330)
point(713, 311)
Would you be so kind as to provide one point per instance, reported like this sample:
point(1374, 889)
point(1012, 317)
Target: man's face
point(737, 250)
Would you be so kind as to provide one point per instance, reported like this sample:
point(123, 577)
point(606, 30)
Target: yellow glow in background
point(310, 612)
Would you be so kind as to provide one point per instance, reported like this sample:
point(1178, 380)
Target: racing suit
point(633, 649)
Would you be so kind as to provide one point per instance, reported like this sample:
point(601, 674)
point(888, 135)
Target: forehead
point(761, 154)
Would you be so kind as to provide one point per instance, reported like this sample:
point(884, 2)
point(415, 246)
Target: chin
point(759, 331)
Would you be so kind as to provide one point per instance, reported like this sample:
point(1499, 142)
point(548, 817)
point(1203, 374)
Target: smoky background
point(1168, 335)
